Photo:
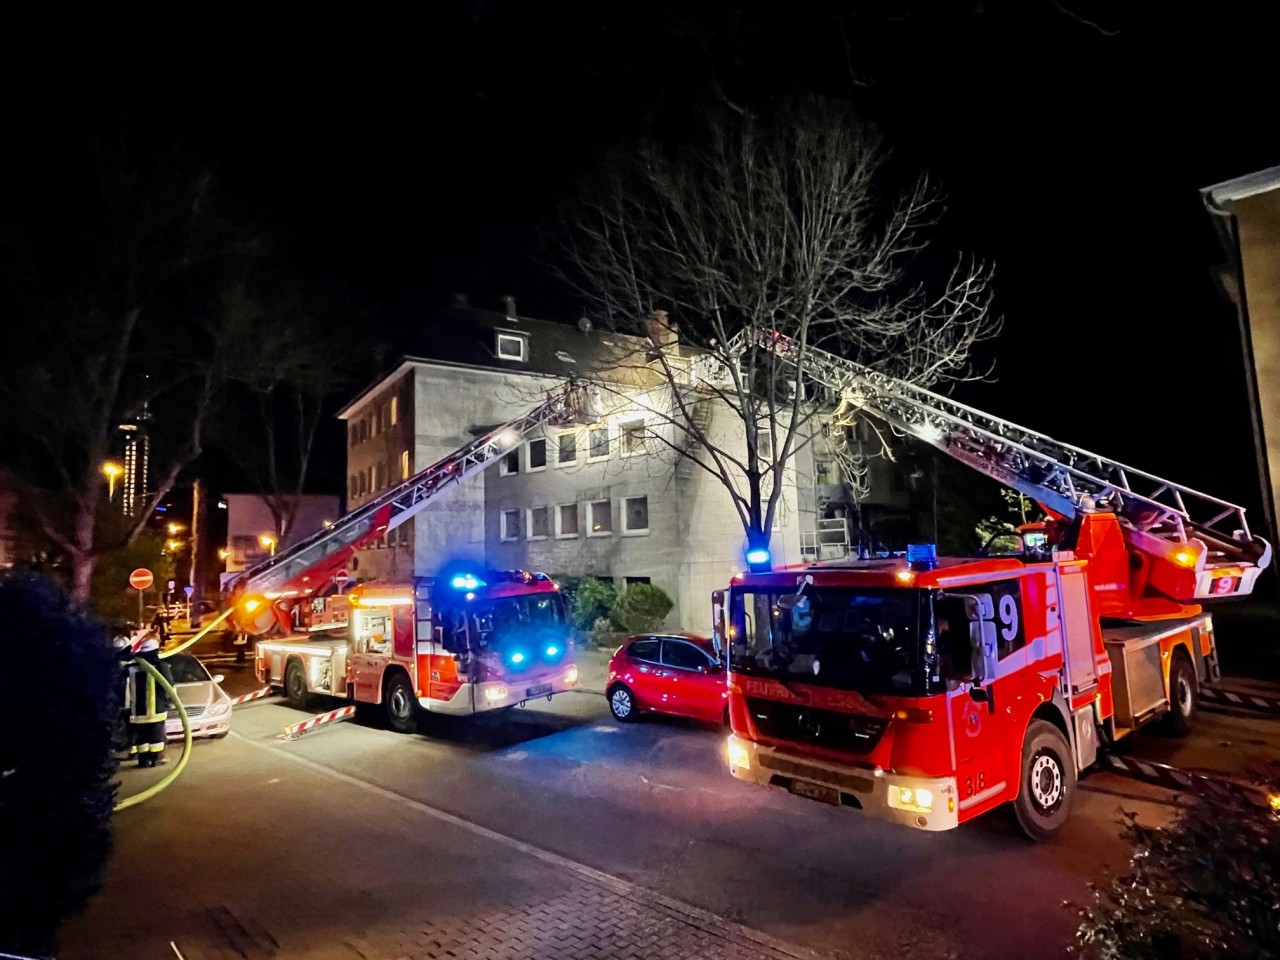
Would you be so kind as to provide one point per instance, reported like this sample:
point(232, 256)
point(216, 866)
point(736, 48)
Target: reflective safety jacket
point(150, 700)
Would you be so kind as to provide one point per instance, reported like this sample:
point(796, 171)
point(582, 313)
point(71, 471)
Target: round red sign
point(141, 578)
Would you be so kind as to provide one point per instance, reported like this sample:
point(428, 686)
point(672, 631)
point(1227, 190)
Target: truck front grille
point(848, 732)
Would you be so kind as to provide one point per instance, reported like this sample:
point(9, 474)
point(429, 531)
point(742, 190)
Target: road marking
point(623, 888)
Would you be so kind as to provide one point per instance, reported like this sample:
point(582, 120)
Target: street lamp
point(174, 545)
point(175, 528)
point(268, 542)
point(111, 470)
point(224, 553)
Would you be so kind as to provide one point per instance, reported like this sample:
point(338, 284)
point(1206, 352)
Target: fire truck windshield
point(500, 621)
point(850, 638)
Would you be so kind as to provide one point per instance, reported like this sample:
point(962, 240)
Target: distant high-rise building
point(137, 462)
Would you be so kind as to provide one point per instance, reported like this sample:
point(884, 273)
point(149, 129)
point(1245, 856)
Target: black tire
point(295, 686)
point(400, 704)
point(1048, 781)
point(622, 703)
point(1184, 696)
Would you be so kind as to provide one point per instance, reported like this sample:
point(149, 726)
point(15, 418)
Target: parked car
point(678, 674)
point(207, 704)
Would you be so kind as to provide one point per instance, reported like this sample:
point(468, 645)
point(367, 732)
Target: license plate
point(539, 690)
point(815, 791)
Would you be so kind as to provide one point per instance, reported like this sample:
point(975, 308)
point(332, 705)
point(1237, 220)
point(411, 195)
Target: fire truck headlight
point(494, 694)
point(571, 675)
point(915, 800)
point(737, 754)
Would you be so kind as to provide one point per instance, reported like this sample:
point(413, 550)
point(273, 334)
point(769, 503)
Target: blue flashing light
point(552, 651)
point(757, 556)
point(923, 554)
point(466, 581)
point(517, 657)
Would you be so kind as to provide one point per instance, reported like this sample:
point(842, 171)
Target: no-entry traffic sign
point(141, 578)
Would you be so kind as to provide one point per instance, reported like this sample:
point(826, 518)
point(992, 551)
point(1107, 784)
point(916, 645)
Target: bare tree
point(116, 283)
point(795, 222)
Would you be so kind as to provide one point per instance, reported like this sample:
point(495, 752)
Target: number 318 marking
point(969, 785)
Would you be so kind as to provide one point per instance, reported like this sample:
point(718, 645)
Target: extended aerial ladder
point(311, 564)
point(1183, 544)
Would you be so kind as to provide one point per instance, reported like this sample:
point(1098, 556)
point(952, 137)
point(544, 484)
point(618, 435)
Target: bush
point(604, 634)
point(60, 695)
point(640, 608)
point(593, 598)
point(1208, 885)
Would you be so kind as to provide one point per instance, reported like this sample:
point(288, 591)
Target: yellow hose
point(203, 630)
point(155, 788)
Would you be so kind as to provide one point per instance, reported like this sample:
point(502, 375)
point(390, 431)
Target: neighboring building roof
point(1243, 187)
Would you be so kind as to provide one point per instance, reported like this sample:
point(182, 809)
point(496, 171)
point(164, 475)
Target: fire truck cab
point(927, 691)
point(463, 643)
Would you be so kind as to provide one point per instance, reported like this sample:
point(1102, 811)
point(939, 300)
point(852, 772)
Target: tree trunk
point(199, 536)
point(83, 559)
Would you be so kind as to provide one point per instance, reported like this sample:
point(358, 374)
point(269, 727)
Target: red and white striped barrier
point(294, 730)
point(257, 694)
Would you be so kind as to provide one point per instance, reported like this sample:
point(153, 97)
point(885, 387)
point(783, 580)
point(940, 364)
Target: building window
point(354, 429)
point(510, 524)
point(635, 515)
point(537, 455)
point(632, 434)
point(509, 464)
point(601, 516)
point(566, 521)
point(404, 464)
point(567, 448)
point(539, 523)
point(377, 420)
point(355, 486)
point(395, 411)
point(822, 472)
point(631, 580)
point(512, 346)
point(380, 480)
point(598, 442)
point(764, 444)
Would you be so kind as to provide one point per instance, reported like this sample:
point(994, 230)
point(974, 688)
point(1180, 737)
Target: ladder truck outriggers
point(928, 691)
point(463, 642)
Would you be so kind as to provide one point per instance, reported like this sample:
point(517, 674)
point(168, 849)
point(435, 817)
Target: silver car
point(207, 704)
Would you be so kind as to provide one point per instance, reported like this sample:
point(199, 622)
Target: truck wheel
point(1048, 783)
point(1184, 697)
point(401, 704)
point(295, 685)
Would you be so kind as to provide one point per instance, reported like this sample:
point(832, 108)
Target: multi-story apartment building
point(610, 497)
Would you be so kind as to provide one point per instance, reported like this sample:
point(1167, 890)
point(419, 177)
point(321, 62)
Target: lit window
point(598, 442)
point(601, 514)
point(395, 410)
point(566, 521)
point(537, 455)
point(404, 464)
point(510, 525)
point(567, 448)
point(509, 464)
point(632, 435)
point(539, 523)
point(512, 346)
point(377, 420)
point(635, 515)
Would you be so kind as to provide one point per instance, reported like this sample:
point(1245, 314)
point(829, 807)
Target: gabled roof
point(1243, 187)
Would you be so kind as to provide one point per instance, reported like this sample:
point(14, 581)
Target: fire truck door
point(1077, 624)
point(372, 649)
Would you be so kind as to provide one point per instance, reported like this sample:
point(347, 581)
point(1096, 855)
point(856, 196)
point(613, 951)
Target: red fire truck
point(459, 644)
point(927, 691)
point(464, 642)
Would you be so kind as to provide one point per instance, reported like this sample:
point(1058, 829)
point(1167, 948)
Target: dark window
point(631, 580)
point(510, 463)
point(678, 653)
point(537, 454)
point(646, 650)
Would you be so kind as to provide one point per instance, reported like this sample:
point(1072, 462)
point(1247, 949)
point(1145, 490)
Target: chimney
point(661, 329)
point(509, 303)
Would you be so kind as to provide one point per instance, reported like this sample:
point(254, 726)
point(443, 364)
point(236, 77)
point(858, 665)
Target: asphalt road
point(651, 803)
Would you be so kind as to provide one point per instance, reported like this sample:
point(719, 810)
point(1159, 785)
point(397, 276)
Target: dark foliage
point(59, 697)
point(1207, 885)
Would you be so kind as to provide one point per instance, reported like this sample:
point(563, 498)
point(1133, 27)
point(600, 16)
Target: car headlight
point(571, 676)
point(494, 694)
point(917, 800)
point(218, 708)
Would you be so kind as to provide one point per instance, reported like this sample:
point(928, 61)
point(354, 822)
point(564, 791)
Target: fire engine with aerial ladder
point(927, 691)
point(463, 642)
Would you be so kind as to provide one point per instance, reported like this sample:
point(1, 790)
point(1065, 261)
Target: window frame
point(394, 410)
point(504, 534)
point(504, 470)
point(608, 439)
point(528, 455)
point(511, 336)
point(529, 523)
point(624, 436)
point(591, 521)
point(627, 531)
point(577, 516)
point(559, 438)
point(644, 639)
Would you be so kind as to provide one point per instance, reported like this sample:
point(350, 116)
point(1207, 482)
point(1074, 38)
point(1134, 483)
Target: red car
point(678, 674)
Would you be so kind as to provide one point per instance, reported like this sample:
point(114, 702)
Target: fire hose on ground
point(155, 788)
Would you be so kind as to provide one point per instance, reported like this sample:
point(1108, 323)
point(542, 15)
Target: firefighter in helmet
point(150, 705)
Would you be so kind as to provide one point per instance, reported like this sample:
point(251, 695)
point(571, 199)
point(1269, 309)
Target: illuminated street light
point(268, 542)
point(111, 470)
point(173, 546)
point(224, 553)
point(175, 528)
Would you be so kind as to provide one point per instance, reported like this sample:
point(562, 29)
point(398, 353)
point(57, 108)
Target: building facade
point(251, 526)
point(610, 497)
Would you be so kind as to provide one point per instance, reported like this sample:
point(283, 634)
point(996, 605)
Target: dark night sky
point(413, 158)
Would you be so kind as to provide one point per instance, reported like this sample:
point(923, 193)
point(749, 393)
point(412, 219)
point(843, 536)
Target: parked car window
point(678, 653)
point(646, 650)
point(187, 669)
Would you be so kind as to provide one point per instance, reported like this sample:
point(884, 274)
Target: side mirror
point(218, 678)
